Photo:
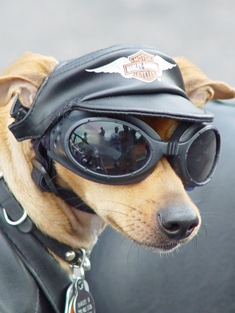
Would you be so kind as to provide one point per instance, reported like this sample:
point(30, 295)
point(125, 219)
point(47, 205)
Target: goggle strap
point(44, 175)
point(73, 200)
point(70, 197)
point(18, 111)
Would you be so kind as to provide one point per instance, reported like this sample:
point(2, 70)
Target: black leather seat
point(200, 277)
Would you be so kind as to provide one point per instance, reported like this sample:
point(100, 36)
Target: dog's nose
point(178, 223)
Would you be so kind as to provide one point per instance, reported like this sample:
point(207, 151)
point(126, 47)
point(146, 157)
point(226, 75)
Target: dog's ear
point(199, 87)
point(24, 77)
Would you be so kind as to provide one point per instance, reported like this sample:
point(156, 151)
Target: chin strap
point(44, 175)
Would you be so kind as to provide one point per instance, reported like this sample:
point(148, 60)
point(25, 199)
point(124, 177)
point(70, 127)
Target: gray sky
point(203, 31)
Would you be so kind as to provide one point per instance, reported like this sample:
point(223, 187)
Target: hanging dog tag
point(83, 301)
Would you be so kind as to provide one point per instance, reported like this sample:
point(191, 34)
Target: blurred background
point(202, 31)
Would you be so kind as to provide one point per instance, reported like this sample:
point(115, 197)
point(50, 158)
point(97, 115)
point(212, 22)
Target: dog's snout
point(178, 223)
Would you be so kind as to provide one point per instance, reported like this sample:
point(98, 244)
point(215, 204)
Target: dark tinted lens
point(109, 148)
point(201, 156)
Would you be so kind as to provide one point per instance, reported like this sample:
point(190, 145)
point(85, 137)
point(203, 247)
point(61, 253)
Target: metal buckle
point(14, 223)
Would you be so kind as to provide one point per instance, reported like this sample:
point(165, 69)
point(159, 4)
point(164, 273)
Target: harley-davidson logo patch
point(141, 65)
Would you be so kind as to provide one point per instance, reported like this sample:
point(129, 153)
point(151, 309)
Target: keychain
point(78, 297)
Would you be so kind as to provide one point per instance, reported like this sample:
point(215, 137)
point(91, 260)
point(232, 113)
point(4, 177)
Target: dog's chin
point(162, 247)
point(168, 247)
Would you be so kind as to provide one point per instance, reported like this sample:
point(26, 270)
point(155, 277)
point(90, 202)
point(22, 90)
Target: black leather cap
point(134, 80)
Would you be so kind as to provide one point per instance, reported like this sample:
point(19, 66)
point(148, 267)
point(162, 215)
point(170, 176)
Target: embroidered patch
point(141, 65)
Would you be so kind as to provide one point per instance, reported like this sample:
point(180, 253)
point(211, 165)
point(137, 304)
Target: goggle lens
point(201, 156)
point(125, 151)
point(109, 148)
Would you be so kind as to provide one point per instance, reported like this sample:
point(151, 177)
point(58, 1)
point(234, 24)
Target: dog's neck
point(12, 211)
point(13, 216)
point(53, 216)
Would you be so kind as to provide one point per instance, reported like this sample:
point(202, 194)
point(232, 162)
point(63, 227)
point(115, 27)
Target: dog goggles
point(120, 150)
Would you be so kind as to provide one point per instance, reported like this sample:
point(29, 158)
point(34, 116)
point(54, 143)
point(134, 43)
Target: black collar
point(26, 237)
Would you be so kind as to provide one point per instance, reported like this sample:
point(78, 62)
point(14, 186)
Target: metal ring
point(15, 223)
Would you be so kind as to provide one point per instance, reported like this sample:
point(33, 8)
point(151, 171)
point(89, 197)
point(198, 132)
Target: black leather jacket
point(18, 289)
point(31, 279)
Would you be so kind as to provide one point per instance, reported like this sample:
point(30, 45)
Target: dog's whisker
point(177, 249)
point(138, 255)
point(113, 211)
point(127, 227)
point(123, 204)
point(195, 242)
point(218, 215)
point(203, 229)
point(129, 253)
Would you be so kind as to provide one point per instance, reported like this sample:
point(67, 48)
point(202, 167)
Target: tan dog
point(130, 209)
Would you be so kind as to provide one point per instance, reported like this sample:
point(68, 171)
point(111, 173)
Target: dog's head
point(153, 210)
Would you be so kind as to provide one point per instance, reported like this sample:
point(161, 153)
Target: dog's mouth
point(167, 247)
point(159, 236)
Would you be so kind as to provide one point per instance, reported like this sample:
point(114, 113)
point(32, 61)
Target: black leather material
point(31, 279)
point(200, 277)
point(71, 85)
point(18, 289)
point(14, 212)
